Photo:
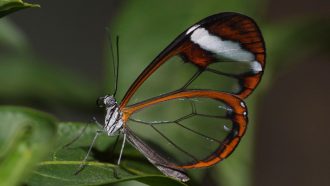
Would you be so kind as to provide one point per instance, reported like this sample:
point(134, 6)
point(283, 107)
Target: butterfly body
point(113, 118)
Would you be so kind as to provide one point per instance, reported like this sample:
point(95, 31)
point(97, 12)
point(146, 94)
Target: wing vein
point(198, 133)
point(172, 143)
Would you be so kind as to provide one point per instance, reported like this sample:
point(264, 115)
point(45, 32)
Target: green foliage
point(61, 165)
point(62, 173)
point(26, 136)
point(10, 6)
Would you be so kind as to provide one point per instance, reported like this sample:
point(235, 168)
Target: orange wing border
point(238, 117)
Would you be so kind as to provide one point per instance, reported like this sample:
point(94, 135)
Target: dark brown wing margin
point(229, 26)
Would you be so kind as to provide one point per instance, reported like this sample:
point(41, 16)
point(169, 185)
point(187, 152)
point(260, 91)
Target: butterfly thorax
point(113, 118)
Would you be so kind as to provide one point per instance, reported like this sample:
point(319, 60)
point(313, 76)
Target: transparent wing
point(190, 129)
point(224, 52)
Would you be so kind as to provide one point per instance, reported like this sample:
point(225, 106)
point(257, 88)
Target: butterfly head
point(106, 101)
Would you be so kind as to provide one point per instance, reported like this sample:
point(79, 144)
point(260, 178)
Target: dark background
point(292, 140)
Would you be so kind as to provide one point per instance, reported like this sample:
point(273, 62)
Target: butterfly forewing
point(226, 46)
point(171, 76)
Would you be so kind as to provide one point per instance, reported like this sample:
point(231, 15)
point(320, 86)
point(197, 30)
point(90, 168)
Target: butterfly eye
point(100, 102)
point(106, 101)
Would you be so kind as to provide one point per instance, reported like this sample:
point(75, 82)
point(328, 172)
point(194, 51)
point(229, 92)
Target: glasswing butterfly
point(222, 59)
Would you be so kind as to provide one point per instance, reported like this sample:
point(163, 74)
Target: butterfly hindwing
point(204, 133)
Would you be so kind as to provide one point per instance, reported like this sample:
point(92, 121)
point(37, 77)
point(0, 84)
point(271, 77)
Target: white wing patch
point(256, 67)
point(228, 49)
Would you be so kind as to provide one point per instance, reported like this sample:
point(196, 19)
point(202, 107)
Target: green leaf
point(10, 6)
point(26, 135)
point(62, 164)
point(63, 173)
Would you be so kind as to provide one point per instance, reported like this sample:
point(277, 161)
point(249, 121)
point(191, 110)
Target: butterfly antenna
point(115, 66)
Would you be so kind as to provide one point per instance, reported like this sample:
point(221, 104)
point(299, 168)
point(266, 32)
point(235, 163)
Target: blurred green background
point(56, 59)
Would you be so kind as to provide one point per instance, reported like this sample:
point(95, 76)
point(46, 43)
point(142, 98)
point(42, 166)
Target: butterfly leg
point(81, 133)
point(122, 149)
point(120, 156)
point(98, 123)
point(76, 138)
point(83, 163)
point(72, 141)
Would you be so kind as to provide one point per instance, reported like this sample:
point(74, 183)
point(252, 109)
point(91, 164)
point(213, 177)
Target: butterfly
point(225, 56)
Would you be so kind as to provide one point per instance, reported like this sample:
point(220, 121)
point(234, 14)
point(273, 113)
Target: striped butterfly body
point(225, 57)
